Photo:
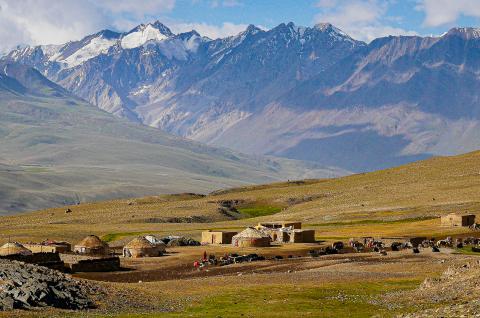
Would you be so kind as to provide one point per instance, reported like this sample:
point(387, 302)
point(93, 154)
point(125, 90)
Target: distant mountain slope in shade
point(57, 149)
point(299, 92)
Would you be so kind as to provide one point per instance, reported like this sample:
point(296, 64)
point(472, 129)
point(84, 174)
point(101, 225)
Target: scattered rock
point(25, 286)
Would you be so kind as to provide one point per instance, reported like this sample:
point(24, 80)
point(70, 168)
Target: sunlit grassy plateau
point(400, 202)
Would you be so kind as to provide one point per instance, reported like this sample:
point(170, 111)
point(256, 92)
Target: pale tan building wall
point(217, 237)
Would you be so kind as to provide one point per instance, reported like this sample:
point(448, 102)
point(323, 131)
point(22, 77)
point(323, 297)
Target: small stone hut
point(217, 237)
point(302, 236)
point(14, 248)
point(289, 235)
point(91, 245)
point(251, 237)
point(454, 219)
point(142, 247)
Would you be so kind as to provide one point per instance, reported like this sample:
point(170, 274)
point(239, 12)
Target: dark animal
point(475, 249)
point(396, 246)
point(330, 250)
point(358, 247)
point(338, 246)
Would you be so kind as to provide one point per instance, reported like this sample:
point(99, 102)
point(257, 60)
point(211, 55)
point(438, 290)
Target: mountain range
point(309, 93)
point(57, 149)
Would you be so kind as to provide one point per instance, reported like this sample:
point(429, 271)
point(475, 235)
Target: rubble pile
point(25, 286)
point(454, 294)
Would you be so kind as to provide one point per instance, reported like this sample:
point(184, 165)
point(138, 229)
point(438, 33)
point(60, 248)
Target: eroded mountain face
point(305, 93)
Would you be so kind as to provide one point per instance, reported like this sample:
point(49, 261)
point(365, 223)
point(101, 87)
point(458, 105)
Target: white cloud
point(212, 31)
point(443, 12)
point(362, 19)
point(225, 3)
point(53, 22)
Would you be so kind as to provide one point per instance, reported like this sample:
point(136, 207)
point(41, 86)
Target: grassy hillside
point(57, 150)
point(402, 201)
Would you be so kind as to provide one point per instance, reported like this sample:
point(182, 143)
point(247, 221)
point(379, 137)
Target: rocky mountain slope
point(300, 92)
point(58, 149)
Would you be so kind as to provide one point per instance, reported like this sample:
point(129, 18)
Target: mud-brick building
point(286, 232)
point(455, 219)
point(49, 246)
point(217, 237)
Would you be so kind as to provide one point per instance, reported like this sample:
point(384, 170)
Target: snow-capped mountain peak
point(465, 33)
point(333, 31)
point(252, 29)
point(75, 53)
point(145, 32)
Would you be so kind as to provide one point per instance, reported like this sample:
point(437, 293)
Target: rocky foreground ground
point(454, 294)
point(24, 286)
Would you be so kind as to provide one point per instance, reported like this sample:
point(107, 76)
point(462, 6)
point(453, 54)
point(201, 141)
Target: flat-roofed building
point(454, 219)
point(217, 237)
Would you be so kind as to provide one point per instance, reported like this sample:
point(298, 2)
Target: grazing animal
point(338, 246)
point(396, 246)
point(358, 246)
point(444, 243)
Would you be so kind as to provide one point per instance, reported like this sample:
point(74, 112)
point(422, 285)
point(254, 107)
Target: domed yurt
point(142, 247)
point(14, 248)
point(91, 245)
point(251, 237)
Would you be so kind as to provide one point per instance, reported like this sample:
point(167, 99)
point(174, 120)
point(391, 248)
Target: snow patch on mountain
point(94, 48)
point(178, 47)
point(141, 36)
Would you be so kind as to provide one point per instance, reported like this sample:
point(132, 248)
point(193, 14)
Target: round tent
point(93, 245)
point(142, 247)
point(251, 237)
point(14, 248)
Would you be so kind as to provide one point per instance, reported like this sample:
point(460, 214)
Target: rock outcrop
point(25, 286)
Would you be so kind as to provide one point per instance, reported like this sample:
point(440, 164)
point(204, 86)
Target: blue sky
point(54, 22)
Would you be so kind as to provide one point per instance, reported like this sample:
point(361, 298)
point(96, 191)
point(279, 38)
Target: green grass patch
point(256, 211)
point(282, 300)
point(467, 250)
point(35, 169)
point(119, 235)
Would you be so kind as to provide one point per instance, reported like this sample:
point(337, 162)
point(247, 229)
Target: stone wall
point(109, 264)
point(50, 260)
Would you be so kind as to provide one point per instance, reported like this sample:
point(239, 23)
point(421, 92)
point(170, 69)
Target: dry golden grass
point(404, 201)
point(363, 204)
